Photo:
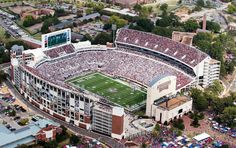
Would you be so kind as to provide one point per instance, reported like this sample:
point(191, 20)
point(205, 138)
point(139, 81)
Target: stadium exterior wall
point(154, 92)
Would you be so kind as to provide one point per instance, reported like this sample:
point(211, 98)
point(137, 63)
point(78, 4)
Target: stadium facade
point(162, 66)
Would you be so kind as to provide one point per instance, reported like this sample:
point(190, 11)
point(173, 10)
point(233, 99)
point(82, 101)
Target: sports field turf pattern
point(111, 89)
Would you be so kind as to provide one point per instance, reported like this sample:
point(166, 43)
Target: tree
point(231, 9)
point(200, 3)
point(12, 113)
point(163, 31)
point(168, 20)
point(7, 35)
point(145, 24)
point(74, 140)
point(164, 8)
point(157, 127)
point(16, 42)
point(216, 87)
point(4, 56)
point(137, 8)
point(102, 38)
point(197, 8)
point(144, 145)
point(87, 37)
point(191, 25)
point(212, 26)
point(178, 124)
point(118, 21)
point(195, 122)
point(49, 22)
point(229, 67)
point(155, 133)
point(226, 41)
point(29, 21)
point(229, 116)
point(60, 12)
point(200, 103)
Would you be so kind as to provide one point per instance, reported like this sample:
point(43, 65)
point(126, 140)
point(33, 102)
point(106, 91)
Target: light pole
point(113, 27)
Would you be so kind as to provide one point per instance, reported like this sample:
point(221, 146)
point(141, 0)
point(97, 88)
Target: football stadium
point(94, 86)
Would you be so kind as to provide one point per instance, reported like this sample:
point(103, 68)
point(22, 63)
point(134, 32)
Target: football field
point(109, 88)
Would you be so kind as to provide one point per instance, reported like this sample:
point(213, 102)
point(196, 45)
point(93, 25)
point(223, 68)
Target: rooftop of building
point(103, 107)
point(171, 103)
point(22, 135)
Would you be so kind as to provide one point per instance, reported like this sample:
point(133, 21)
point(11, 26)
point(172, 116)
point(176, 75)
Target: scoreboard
point(57, 38)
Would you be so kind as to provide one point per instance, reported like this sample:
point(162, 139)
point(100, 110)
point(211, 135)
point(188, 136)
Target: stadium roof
point(165, 46)
point(159, 77)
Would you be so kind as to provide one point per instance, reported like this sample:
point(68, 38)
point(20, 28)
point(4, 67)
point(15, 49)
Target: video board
point(56, 38)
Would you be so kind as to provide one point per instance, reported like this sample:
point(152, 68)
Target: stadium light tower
point(113, 27)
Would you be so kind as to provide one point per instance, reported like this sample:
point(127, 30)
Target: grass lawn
point(112, 89)
point(37, 36)
point(172, 4)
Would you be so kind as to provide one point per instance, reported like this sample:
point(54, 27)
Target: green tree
point(231, 9)
point(195, 122)
point(164, 8)
point(143, 145)
point(87, 37)
point(102, 38)
point(213, 26)
point(200, 103)
point(163, 31)
point(216, 87)
point(179, 124)
point(4, 56)
point(137, 8)
point(168, 20)
point(16, 42)
point(29, 21)
point(118, 21)
point(229, 116)
point(49, 22)
point(74, 140)
point(229, 67)
point(60, 12)
point(145, 24)
point(3, 76)
point(7, 35)
point(191, 25)
point(201, 3)
point(157, 127)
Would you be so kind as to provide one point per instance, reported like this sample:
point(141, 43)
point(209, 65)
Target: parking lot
point(13, 114)
point(6, 21)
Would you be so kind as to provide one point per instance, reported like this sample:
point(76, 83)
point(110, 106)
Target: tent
point(201, 137)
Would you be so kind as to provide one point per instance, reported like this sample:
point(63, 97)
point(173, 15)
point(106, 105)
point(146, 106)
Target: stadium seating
point(184, 53)
point(117, 63)
point(58, 51)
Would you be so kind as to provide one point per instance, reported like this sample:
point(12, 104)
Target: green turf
point(113, 90)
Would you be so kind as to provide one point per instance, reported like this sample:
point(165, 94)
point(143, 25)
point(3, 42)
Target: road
point(105, 139)
point(4, 65)
point(13, 34)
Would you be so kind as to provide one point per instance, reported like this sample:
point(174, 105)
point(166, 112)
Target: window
point(72, 95)
point(81, 117)
point(180, 111)
point(81, 98)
